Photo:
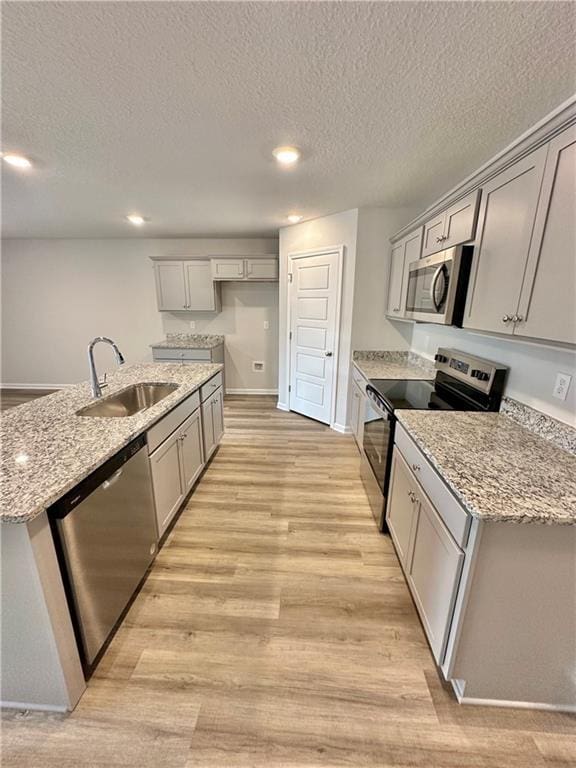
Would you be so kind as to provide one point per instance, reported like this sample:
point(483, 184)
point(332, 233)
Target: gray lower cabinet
point(357, 415)
point(431, 559)
point(167, 481)
point(212, 421)
point(176, 465)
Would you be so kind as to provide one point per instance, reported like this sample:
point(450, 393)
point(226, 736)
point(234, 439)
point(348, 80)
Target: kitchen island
point(48, 449)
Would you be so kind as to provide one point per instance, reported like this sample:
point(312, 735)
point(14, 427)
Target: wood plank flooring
point(275, 630)
point(11, 397)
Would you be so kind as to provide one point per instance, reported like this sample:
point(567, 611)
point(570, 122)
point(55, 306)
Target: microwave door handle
point(433, 287)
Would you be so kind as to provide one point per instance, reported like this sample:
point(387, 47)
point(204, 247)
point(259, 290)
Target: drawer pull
point(416, 467)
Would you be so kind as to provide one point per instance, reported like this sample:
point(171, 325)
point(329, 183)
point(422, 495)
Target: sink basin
point(128, 401)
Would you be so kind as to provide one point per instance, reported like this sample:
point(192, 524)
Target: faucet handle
point(103, 383)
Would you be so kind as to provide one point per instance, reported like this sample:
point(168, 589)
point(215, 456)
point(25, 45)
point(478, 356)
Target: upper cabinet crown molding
point(541, 133)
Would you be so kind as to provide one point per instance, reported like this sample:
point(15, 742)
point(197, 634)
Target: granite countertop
point(393, 365)
point(189, 341)
point(47, 449)
point(498, 469)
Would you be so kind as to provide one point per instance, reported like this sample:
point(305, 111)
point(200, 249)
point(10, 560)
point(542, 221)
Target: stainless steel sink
point(129, 401)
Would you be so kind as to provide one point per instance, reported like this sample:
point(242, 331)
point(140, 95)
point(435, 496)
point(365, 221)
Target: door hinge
point(289, 388)
point(290, 336)
point(290, 277)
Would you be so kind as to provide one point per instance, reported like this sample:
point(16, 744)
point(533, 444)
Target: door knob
point(328, 354)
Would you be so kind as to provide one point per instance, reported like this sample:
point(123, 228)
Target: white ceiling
point(172, 109)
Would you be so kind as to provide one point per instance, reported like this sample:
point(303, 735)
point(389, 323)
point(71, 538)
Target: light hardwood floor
point(11, 397)
point(275, 629)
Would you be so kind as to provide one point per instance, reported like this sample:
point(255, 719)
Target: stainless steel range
point(463, 383)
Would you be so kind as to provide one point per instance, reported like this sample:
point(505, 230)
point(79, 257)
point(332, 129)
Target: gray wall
point(533, 367)
point(58, 294)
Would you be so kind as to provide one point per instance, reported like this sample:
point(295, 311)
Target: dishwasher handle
point(103, 477)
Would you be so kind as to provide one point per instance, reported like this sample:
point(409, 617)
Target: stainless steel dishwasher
point(106, 537)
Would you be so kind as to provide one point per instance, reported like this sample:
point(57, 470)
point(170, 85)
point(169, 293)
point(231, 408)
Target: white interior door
point(314, 311)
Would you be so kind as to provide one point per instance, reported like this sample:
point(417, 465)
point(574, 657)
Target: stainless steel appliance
point(462, 383)
point(106, 537)
point(437, 286)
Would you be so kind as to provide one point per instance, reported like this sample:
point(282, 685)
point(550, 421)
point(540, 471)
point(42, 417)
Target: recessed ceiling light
point(294, 218)
point(18, 161)
point(136, 219)
point(286, 155)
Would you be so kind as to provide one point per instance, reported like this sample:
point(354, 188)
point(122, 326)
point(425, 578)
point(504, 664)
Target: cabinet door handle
point(506, 319)
point(516, 318)
point(416, 467)
point(439, 239)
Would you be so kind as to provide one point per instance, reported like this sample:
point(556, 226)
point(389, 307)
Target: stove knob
point(440, 358)
point(480, 375)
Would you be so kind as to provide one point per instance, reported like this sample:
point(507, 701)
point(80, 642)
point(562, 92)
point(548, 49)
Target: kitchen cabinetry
point(357, 415)
point(428, 554)
point(403, 253)
point(212, 422)
point(176, 463)
point(186, 285)
point(240, 269)
point(455, 225)
point(547, 309)
point(505, 226)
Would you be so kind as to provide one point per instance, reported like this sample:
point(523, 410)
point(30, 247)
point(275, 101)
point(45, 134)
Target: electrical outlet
point(192, 325)
point(562, 385)
point(257, 365)
point(266, 325)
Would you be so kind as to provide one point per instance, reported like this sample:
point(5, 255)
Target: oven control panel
point(481, 374)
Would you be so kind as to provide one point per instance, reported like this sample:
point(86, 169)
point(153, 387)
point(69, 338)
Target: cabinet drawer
point(163, 428)
point(191, 355)
point(455, 518)
point(210, 387)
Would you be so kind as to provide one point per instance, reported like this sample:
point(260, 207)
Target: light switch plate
point(266, 325)
point(257, 365)
point(192, 325)
point(562, 385)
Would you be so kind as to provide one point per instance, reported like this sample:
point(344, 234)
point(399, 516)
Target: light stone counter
point(498, 469)
point(189, 341)
point(393, 365)
point(47, 449)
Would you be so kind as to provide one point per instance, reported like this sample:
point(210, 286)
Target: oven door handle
point(377, 404)
point(437, 304)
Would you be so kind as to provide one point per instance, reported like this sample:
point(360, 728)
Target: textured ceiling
point(172, 109)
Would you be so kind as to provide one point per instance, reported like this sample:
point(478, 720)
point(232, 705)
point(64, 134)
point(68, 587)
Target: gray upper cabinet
point(547, 309)
point(403, 253)
point(244, 269)
point(505, 225)
point(455, 225)
point(203, 294)
point(186, 285)
point(171, 286)
point(227, 269)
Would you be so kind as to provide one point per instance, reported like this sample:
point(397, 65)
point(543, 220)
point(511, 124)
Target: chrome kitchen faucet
point(95, 384)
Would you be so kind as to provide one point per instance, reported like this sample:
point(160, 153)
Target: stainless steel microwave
point(437, 286)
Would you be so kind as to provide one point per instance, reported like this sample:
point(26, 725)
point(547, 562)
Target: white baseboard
point(342, 428)
point(237, 391)
point(36, 707)
point(282, 406)
point(34, 386)
point(458, 690)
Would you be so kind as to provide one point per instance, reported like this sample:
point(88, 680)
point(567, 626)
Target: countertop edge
point(468, 507)
point(38, 510)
